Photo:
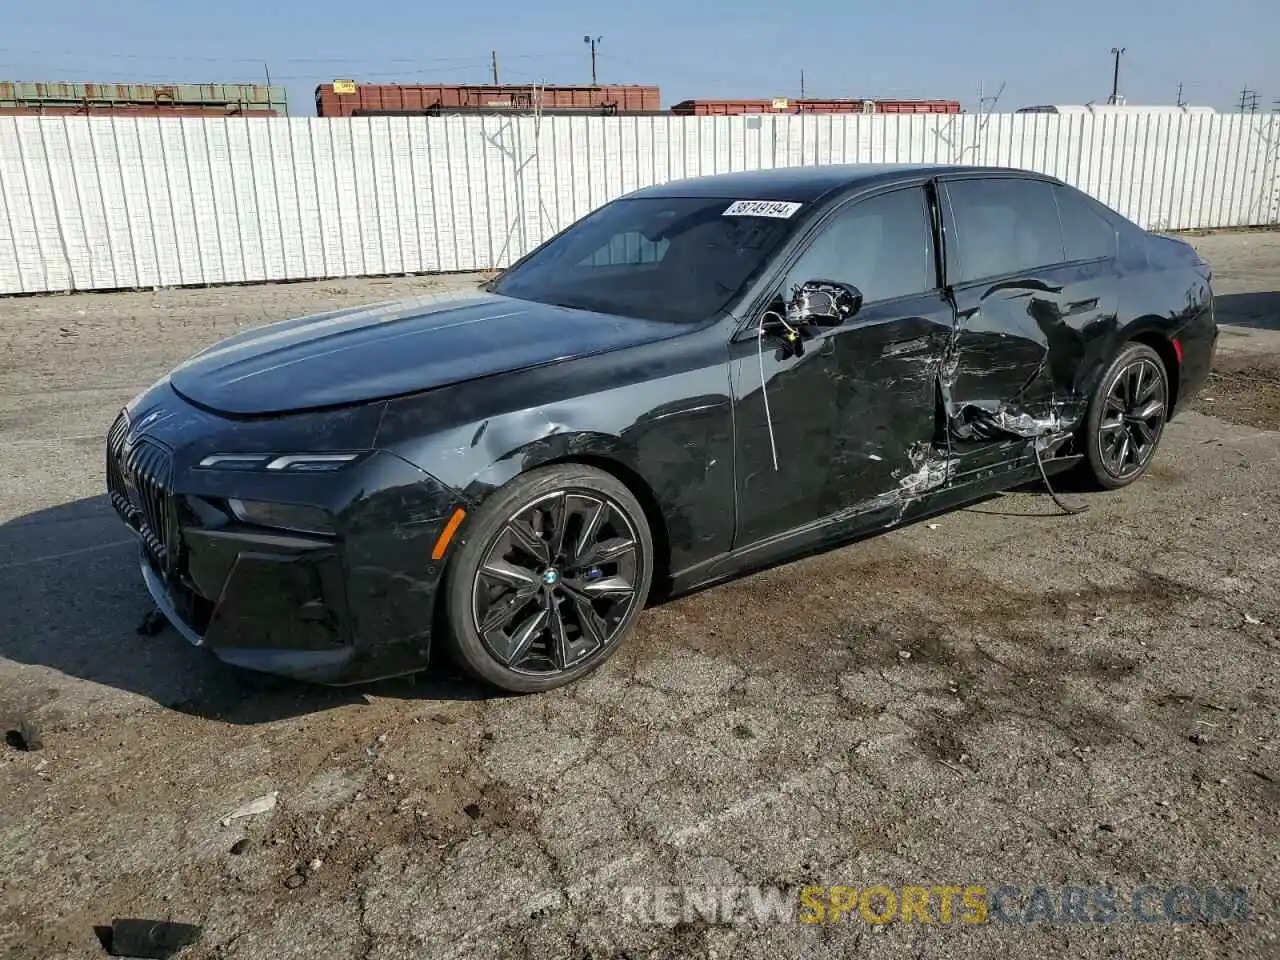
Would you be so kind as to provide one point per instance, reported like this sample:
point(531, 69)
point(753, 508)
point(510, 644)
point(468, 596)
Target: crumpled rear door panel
point(1019, 348)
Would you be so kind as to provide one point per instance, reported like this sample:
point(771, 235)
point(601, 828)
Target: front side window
point(882, 245)
point(679, 259)
point(1002, 226)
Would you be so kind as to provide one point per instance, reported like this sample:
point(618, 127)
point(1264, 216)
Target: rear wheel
point(1126, 417)
point(554, 573)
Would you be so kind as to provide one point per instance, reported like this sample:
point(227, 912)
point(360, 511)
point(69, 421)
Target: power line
point(159, 77)
point(1165, 77)
point(428, 72)
point(674, 68)
point(1248, 101)
point(258, 60)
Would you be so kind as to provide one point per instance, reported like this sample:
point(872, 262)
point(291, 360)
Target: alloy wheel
point(1132, 418)
point(557, 582)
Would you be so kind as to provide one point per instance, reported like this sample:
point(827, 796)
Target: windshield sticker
point(778, 209)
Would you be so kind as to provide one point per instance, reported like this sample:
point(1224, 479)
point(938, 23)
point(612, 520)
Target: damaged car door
point(854, 431)
point(1027, 309)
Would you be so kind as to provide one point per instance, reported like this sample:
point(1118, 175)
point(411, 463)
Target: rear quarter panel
point(1167, 294)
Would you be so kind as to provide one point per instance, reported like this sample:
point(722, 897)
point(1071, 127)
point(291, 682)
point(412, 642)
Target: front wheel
point(1126, 417)
point(554, 573)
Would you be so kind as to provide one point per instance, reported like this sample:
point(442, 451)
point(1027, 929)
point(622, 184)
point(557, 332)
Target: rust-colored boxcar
point(422, 98)
point(729, 108)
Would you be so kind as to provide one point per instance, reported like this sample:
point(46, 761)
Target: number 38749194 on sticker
point(780, 209)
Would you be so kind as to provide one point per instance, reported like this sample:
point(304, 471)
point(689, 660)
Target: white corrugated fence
point(102, 203)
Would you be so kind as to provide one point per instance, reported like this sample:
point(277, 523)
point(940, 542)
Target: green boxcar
point(247, 96)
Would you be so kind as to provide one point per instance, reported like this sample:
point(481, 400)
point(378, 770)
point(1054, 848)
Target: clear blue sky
point(1044, 52)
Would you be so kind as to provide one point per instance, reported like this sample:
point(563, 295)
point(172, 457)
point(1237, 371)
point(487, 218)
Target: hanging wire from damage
point(1064, 507)
point(764, 386)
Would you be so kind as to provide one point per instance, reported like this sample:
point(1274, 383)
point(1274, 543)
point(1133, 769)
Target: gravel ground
point(1004, 695)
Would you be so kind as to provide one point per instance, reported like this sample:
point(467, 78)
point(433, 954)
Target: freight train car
point(130, 111)
point(729, 108)
point(142, 99)
point(345, 99)
point(1119, 109)
point(512, 112)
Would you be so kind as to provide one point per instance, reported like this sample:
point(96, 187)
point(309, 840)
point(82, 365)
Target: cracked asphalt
point(1003, 695)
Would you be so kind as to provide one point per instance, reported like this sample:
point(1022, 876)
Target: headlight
point(282, 516)
point(291, 462)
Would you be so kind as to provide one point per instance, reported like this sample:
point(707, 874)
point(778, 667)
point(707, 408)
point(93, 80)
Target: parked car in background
point(696, 380)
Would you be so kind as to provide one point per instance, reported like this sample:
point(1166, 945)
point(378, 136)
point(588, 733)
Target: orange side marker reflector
point(446, 535)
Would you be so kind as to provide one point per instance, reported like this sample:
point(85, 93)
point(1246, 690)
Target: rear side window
point(1087, 233)
point(1002, 226)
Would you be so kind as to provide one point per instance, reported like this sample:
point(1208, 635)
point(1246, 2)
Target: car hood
point(390, 349)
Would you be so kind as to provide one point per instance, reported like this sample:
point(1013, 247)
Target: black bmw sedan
point(693, 381)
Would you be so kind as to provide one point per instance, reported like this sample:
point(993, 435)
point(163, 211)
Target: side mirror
point(823, 303)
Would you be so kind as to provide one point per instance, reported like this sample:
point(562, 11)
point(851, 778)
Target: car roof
point(808, 183)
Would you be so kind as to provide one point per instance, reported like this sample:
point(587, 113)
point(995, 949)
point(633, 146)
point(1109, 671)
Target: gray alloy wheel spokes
point(1132, 418)
point(557, 581)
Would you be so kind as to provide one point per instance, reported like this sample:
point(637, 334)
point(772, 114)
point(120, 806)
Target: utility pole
point(1180, 103)
point(801, 84)
point(1115, 76)
point(993, 100)
point(593, 41)
point(494, 55)
point(266, 72)
point(1248, 100)
point(984, 117)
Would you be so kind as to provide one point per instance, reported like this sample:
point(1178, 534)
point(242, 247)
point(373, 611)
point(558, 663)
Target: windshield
point(657, 258)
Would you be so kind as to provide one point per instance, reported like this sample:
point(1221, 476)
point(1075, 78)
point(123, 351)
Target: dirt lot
point(1003, 696)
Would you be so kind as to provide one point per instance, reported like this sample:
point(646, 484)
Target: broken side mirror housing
point(823, 303)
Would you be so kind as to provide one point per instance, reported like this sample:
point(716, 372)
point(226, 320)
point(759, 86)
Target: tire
point(1130, 405)
point(553, 616)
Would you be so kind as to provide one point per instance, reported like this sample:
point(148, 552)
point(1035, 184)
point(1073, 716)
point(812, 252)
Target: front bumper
point(321, 654)
point(348, 606)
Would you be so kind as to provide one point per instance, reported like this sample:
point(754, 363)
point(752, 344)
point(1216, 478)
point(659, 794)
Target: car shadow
point(72, 601)
point(1260, 311)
